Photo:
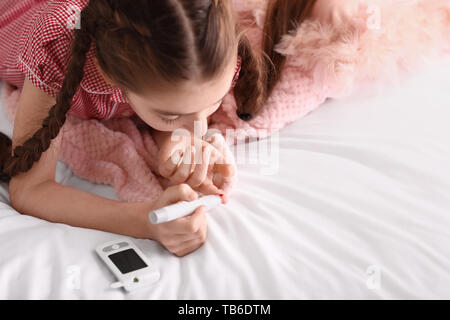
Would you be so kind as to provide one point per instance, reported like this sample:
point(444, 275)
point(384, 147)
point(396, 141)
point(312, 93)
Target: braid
point(261, 73)
point(250, 102)
point(26, 155)
point(5, 153)
point(282, 17)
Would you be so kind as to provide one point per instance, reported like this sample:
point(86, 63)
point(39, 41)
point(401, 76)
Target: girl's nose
point(199, 125)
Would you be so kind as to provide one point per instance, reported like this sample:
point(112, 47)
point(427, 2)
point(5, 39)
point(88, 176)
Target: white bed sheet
point(359, 208)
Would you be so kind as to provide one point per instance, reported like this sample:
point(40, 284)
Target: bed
point(356, 207)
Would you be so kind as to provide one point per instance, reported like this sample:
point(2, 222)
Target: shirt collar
point(94, 83)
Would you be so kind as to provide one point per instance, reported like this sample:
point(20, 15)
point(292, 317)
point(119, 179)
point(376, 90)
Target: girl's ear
point(107, 79)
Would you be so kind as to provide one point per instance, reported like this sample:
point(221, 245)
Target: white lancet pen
point(184, 208)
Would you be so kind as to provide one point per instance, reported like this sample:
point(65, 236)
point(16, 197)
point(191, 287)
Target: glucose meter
point(130, 266)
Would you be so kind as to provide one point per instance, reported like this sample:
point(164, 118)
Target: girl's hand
point(198, 163)
point(183, 235)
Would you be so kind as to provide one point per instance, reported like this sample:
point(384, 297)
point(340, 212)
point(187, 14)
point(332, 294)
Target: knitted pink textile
point(374, 40)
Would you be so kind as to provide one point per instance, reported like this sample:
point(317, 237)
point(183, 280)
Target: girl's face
point(181, 106)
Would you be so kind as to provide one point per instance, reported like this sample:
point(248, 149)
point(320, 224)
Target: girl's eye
point(170, 120)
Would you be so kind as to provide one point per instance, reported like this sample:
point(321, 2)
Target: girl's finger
point(220, 164)
point(226, 164)
point(201, 169)
point(226, 170)
point(191, 245)
point(188, 247)
point(170, 165)
point(184, 169)
point(189, 224)
point(182, 238)
point(174, 194)
point(209, 189)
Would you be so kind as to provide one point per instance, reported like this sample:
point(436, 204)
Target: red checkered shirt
point(35, 41)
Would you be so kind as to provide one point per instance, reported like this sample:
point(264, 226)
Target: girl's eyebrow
point(167, 113)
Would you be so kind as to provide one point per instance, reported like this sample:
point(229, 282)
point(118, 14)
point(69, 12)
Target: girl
point(169, 62)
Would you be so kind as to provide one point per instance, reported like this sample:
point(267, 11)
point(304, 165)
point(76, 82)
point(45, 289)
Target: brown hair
point(166, 42)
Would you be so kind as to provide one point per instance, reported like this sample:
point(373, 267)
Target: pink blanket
point(374, 40)
point(117, 152)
